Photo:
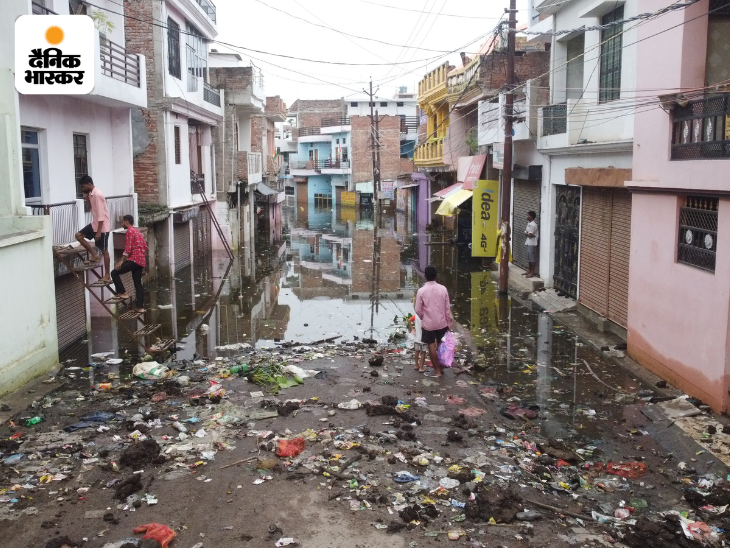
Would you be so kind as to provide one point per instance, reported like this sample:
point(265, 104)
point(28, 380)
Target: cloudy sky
point(367, 36)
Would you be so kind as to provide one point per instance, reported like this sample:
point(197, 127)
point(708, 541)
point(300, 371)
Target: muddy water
point(330, 277)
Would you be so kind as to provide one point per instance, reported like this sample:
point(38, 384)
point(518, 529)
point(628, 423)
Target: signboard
point(485, 219)
point(474, 171)
point(349, 199)
point(54, 54)
point(498, 155)
point(386, 190)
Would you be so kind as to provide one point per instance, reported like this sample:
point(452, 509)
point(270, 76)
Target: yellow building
point(432, 99)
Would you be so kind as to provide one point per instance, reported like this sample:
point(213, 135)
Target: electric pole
point(507, 168)
point(375, 154)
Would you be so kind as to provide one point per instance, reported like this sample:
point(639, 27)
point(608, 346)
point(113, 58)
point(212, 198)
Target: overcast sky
point(280, 27)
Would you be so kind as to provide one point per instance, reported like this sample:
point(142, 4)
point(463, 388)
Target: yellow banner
point(484, 219)
point(349, 199)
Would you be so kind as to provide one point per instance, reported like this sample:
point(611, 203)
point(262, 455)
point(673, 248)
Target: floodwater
point(331, 276)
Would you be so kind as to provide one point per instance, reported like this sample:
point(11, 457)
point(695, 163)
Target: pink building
point(679, 280)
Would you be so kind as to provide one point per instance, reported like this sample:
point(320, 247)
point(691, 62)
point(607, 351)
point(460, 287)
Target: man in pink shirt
point(100, 225)
point(434, 309)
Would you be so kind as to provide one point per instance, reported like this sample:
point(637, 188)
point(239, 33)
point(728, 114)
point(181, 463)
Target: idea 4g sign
point(54, 54)
point(485, 219)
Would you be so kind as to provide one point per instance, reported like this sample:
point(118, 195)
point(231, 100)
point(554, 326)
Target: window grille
point(81, 160)
point(610, 75)
point(173, 48)
point(697, 241)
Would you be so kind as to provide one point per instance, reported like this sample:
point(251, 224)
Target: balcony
point(211, 95)
point(332, 122)
point(275, 109)
point(120, 77)
point(40, 9)
point(699, 129)
point(461, 82)
point(432, 88)
point(209, 8)
point(315, 134)
point(64, 220)
point(336, 168)
point(430, 154)
point(255, 167)
point(306, 131)
point(584, 123)
point(117, 63)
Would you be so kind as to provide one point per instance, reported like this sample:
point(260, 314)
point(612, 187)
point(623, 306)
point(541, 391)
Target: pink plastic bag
point(446, 350)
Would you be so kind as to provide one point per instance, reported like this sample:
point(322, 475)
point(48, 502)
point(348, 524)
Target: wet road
point(317, 282)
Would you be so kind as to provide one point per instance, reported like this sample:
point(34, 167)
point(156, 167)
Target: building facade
point(174, 157)
point(679, 306)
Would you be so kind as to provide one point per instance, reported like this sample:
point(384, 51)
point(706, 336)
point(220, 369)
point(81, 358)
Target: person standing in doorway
point(434, 309)
point(133, 260)
point(100, 225)
point(531, 233)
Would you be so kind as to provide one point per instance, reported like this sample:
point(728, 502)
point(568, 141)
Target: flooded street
point(321, 282)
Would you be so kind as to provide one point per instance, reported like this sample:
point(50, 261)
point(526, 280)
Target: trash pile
point(449, 459)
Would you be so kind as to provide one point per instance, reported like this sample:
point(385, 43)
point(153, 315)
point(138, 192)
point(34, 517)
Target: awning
point(435, 199)
point(417, 175)
point(473, 171)
point(449, 205)
point(448, 190)
point(408, 186)
point(264, 190)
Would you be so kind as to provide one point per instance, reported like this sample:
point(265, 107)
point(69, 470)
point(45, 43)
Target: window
point(197, 57)
point(178, 160)
point(173, 48)
point(337, 141)
point(384, 103)
point(81, 160)
point(611, 38)
point(344, 140)
point(353, 104)
point(399, 104)
point(574, 70)
point(718, 42)
point(697, 242)
point(371, 104)
point(31, 163)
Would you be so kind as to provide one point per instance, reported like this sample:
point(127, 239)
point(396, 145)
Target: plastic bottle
point(179, 426)
point(34, 420)
point(240, 369)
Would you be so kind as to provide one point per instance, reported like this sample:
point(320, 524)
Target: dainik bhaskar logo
point(54, 54)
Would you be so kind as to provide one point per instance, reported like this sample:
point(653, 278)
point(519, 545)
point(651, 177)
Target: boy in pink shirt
point(100, 225)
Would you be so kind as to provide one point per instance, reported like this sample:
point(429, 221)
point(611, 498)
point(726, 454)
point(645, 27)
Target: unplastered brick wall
point(231, 79)
point(390, 160)
point(139, 38)
point(275, 105)
point(530, 65)
point(311, 112)
point(258, 133)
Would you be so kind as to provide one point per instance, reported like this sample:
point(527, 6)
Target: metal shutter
point(526, 198)
point(201, 233)
point(595, 249)
point(70, 310)
point(181, 234)
point(618, 287)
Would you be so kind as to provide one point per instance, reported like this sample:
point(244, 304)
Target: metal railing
point(64, 219)
point(334, 164)
point(304, 131)
point(408, 123)
point(460, 79)
point(254, 163)
point(554, 119)
point(699, 129)
point(119, 206)
point(117, 63)
point(311, 165)
point(208, 8)
point(40, 9)
point(211, 95)
point(330, 122)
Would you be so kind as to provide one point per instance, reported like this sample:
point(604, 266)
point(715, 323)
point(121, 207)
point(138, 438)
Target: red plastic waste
point(290, 448)
point(629, 470)
point(161, 533)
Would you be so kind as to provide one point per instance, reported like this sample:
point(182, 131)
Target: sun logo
point(54, 35)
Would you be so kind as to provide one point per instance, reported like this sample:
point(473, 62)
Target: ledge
point(21, 237)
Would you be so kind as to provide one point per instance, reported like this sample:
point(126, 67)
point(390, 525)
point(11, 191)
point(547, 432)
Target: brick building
point(172, 137)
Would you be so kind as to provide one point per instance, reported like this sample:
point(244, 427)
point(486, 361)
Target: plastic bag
point(151, 371)
point(290, 448)
point(446, 350)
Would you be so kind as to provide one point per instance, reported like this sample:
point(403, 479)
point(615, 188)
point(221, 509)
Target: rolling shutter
point(618, 287)
point(526, 198)
point(604, 253)
point(70, 310)
point(182, 245)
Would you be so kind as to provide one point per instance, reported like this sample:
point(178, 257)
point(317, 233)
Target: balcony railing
point(211, 95)
point(118, 206)
point(408, 123)
point(40, 9)
point(434, 80)
point(311, 165)
point(334, 164)
point(64, 220)
point(304, 131)
point(460, 79)
point(117, 63)
point(430, 152)
point(700, 129)
point(554, 119)
point(330, 122)
point(208, 8)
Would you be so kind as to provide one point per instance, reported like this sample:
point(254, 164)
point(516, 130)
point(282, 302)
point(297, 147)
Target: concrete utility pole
point(507, 169)
point(375, 153)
